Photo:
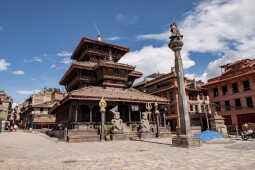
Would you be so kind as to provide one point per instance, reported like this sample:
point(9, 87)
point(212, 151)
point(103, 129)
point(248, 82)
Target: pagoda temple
point(97, 74)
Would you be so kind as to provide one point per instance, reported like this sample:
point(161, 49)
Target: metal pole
point(90, 114)
point(164, 117)
point(102, 124)
point(206, 115)
point(158, 130)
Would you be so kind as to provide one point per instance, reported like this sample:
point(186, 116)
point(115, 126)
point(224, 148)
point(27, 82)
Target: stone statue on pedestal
point(145, 125)
point(174, 30)
point(117, 124)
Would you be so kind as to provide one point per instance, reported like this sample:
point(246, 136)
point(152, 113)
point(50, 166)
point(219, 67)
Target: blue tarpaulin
point(208, 135)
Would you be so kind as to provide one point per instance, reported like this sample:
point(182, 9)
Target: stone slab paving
point(26, 151)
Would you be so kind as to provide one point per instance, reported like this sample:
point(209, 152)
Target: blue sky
point(37, 37)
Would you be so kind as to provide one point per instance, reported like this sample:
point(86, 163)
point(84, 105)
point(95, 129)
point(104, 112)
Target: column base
point(186, 141)
point(145, 135)
point(118, 137)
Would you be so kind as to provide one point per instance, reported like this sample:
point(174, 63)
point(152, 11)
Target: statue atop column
point(174, 30)
point(175, 38)
point(117, 124)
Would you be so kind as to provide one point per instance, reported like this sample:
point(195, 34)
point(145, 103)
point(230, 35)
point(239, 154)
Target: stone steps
point(83, 138)
point(75, 136)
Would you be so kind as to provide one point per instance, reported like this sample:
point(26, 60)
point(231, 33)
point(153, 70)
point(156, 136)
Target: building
point(5, 105)
point(34, 110)
point(96, 73)
point(232, 94)
point(165, 85)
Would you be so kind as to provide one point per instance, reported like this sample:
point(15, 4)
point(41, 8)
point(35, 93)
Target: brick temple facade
point(165, 85)
point(232, 94)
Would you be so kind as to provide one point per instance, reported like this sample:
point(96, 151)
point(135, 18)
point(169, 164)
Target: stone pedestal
point(118, 137)
point(164, 133)
point(186, 141)
point(217, 124)
point(145, 135)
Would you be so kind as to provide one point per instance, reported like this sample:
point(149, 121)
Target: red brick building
point(165, 85)
point(34, 111)
point(232, 94)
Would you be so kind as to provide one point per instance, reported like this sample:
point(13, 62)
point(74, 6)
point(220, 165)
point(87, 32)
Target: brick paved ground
point(25, 151)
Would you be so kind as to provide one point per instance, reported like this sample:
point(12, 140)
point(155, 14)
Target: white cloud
point(222, 27)
point(64, 54)
point(162, 36)
point(45, 54)
point(28, 92)
point(4, 65)
point(125, 19)
point(154, 59)
point(112, 38)
point(66, 60)
point(18, 72)
point(37, 59)
point(53, 66)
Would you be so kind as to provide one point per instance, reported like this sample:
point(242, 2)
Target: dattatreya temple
point(98, 76)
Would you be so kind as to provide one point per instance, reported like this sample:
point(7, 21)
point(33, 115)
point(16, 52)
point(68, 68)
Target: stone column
point(185, 139)
point(176, 45)
point(102, 105)
point(129, 113)
point(164, 118)
point(76, 112)
point(157, 119)
point(90, 114)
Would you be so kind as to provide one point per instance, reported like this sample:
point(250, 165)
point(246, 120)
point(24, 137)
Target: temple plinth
point(185, 137)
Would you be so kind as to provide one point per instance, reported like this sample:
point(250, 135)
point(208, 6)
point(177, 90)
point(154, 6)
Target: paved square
point(26, 151)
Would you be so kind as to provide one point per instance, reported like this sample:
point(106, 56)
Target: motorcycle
point(247, 132)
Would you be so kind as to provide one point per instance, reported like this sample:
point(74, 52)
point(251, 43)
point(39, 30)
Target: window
point(235, 88)
point(249, 102)
point(196, 108)
point(207, 108)
point(200, 96)
point(202, 108)
point(238, 104)
point(164, 84)
point(246, 85)
point(217, 106)
point(41, 109)
point(191, 107)
point(227, 105)
point(224, 90)
point(215, 92)
point(192, 96)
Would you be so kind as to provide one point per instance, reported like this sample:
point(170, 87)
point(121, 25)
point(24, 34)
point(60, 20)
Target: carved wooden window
point(249, 102)
point(191, 107)
point(235, 88)
point(224, 90)
point(196, 108)
point(217, 106)
point(215, 92)
point(238, 104)
point(246, 85)
point(227, 105)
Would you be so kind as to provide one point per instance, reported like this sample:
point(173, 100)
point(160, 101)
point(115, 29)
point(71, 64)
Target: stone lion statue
point(145, 125)
point(117, 124)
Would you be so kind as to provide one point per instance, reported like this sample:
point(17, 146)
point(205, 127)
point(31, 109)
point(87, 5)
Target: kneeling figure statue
point(145, 125)
point(117, 124)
